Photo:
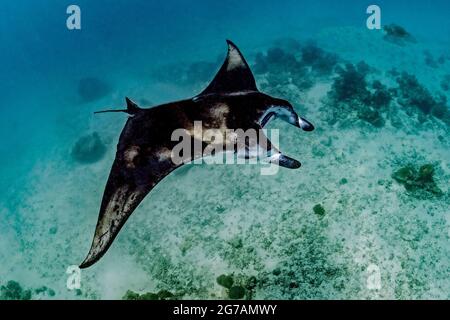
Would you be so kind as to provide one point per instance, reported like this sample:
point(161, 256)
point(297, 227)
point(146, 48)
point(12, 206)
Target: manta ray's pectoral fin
point(127, 186)
point(234, 76)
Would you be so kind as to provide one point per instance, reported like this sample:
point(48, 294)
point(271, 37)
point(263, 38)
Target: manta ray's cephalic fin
point(234, 75)
point(132, 108)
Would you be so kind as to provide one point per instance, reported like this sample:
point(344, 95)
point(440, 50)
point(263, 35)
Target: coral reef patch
point(351, 98)
point(294, 64)
point(418, 182)
point(14, 291)
point(319, 210)
point(160, 295)
point(411, 94)
point(89, 149)
point(354, 97)
point(445, 83)
point(397, 34)
point(225, 281)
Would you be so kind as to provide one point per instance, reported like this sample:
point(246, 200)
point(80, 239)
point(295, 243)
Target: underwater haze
point(367, 216)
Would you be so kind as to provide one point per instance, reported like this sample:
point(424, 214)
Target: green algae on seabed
point(414, 95)
point(319, 210)
point(160, 295)
point(236, 292)
point(14, 291)
point(45, 290)
point(351, 96)
point(293, 65)
point(225, 281)
point(419, 183)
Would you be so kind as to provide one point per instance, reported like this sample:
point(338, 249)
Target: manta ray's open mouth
point(285, 113)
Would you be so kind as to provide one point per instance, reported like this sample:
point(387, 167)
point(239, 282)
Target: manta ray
point(143, 158)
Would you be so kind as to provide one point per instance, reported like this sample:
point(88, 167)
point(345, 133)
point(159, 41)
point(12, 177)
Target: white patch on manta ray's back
point(164, 154)
point(220, 110)
point(196, 132)
point(130, 154)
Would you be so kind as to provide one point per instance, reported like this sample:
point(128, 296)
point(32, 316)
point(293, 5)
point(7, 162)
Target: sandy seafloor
point(204, 221)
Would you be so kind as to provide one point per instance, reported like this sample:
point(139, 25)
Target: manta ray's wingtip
point(84, 265)
point(94, 255)
point(90, 259)
point(230, 42)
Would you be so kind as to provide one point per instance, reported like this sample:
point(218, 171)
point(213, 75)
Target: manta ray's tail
point(132, 108)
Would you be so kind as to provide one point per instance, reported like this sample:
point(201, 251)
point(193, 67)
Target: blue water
point(135, 47)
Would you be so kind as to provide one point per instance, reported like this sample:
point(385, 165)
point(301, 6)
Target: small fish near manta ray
point(143, 158)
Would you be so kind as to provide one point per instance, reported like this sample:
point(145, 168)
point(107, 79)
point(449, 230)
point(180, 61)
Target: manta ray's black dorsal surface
point(143, 157)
